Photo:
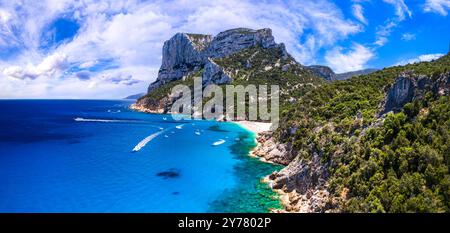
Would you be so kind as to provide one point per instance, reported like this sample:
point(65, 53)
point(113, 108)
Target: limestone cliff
point(230, 57)
point(409, 86)
point(323, 71)
point(181, 55)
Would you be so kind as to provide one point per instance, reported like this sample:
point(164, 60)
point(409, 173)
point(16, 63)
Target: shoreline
point(256, 128)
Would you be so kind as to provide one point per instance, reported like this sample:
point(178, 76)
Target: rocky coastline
point(294, 184)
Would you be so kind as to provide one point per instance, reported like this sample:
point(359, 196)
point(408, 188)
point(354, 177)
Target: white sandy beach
point(256, 127)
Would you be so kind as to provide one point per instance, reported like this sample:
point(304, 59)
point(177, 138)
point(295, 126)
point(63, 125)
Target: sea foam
point(148, 139)
point(80, 119)
point(99, 120)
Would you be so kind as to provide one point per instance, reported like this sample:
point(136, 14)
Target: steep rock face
point(189, 55)
point(302, 185)
point(182, 54)
point(234, 40)
point(323, 71)
point(213, 73)
point(272, 151)
point(399, 94)
point(185, 53)
point(408, 86)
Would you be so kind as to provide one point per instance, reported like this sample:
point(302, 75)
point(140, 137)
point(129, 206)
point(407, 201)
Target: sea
point(98, 156)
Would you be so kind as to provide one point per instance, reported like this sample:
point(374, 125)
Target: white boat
point(220, 142)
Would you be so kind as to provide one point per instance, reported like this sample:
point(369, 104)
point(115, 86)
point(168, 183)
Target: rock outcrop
point(303, 186)
point(328, 74)
point(408, 86)
point(323, 71)
point(181, 55)
point(214, 74)
point(235, 40)
point(270, 150)
point(302, 183)
point(185, 53)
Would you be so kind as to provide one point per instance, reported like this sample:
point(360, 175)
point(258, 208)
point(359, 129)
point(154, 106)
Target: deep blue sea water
point(77, 156)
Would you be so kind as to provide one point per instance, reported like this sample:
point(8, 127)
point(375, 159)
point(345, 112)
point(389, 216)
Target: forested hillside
point(396, 162)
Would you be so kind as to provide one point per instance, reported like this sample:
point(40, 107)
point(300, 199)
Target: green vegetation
point(166, 89)
point(260, 66)
point(400, 164)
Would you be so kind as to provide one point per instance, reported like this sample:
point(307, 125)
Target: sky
point(111, 49)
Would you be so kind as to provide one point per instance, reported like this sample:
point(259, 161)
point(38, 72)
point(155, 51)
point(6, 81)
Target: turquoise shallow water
point(98, 156)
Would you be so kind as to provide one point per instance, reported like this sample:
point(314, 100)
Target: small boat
point(220, 142)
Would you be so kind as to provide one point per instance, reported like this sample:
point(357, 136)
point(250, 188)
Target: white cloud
point(401, 9)
point(408, 36)
point(384, 31)
point(50, 66)
point(358, 12)
point(130, 34)
point(5, 16)
point(354, 59)
point(437, 6)
point(421, 58)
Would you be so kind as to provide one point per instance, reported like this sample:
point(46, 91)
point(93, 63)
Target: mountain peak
point(185, 53)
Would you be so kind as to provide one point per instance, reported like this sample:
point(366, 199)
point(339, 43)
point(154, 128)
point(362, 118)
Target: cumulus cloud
point(358, 12)
point(355, 58)
point(421, 58)
point(50, 66)
point(118, 43)
point(437, 6)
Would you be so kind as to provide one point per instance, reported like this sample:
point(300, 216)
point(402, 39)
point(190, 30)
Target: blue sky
point(111, 49)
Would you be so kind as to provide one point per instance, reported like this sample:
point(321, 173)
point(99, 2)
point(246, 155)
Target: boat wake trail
point(80, 119)
point(148, 139)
